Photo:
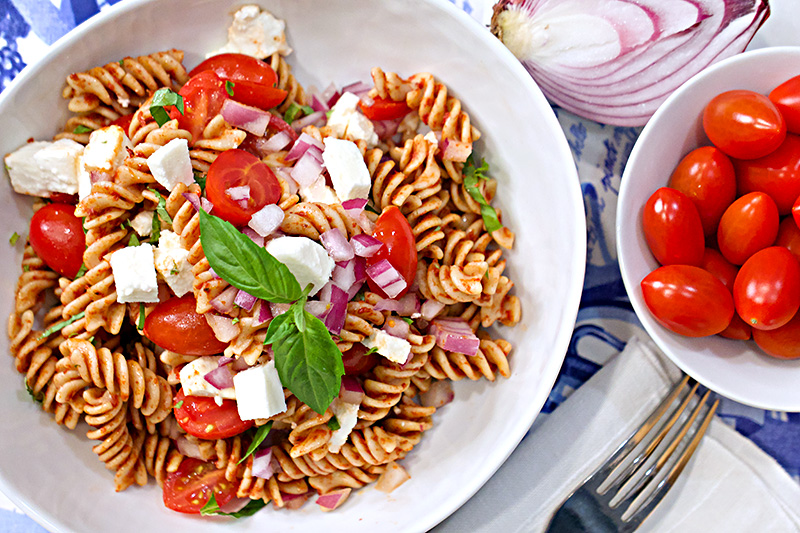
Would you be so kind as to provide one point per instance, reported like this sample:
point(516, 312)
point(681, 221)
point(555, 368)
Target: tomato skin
point(789, 236)
point(190, 487)
point(357, 362)
point(237, 67)
point(743, 124)
point(399, 247)
point(782, 342)
point(777, 174)
point(738, 329)
point(786, 98)
point(706, 176)
point(672, 228)
point(124, 122)
point(766, 292)
point(234, 168)
point(723, 270)
point(175, 325)
point(384, 109)
point(748, 225)
point(203, 96)
point(57, 237)
point(688, 300)
point(202, 417)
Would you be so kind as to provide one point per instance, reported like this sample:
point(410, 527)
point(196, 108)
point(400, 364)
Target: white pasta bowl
point(53, 474)
point(736, 369)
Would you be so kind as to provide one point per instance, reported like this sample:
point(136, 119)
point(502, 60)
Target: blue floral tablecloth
point(605, 320)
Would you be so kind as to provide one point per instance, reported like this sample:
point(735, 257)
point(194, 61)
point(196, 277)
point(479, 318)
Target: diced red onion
point(386, 128)
point(350, 390)
point(276, 142)
point(263, 314)
point(307, 169)
point(455, 335)
point(235, 505)
point(245, 300)
point(254, 236)
point(405, 306)
point(278, 309)
point(318, 103)
point(359, 269)
point(189, 448)
point(213, 274)
point(278, 124)
point(394, 476)
point(286, 175)
point(194, 199)
point(224, 328)
point(316, 118)
point(220, 378)
point(387, 278)
point(430, 309)
point(206, 204)
point(352, 291)
point(440, 393)
point(266, 220)
point(365, 245)
point(301, 145)
point(337, 313)
point(317, 308)
point(224, 301)
point(239, 364)
point(262, 464)
point(453, 150)
point(250, 119)
point(295, 501)
point(354, 207)
point(225, 360)
point(363, 221)
point(333, 499)
point(336, 244)
point(396, 327)
point(241, 192)
point(330, 95)
point(344, 274)
point(358, 88)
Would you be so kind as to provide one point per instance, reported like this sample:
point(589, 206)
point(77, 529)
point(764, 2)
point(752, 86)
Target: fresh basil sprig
point(472, 175)
point(162, 98)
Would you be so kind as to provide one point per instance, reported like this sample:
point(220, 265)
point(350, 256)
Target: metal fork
point(604, 502)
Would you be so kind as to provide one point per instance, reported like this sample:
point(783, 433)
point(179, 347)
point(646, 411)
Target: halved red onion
point(220, 377)
point(365, 245)
point(276, 142)
point(405, 306)
point(453, 150)
point(430, 309)
point(440, 393)
point(343, 274)
point(241, 192)
point(301, 145)
point(333, 499)
point(278, 309)
point(266, 220)
point(189, 448)
point(394, 476)
point(336, 244)
point(396, 327)
point(254, 236)
point(337, 313)
point(262, 463)
point(224, 328)
point(250, 119)
point(317, 118)
point(358, 88)
point(245, 300)
point(224, 301)
point(454, 335)
point(615, 62)
point(351, 390)
point(387, 278)
point(194, 199)
point(308, 168)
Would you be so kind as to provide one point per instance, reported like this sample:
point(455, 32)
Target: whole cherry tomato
point(749, 224)
point(384, 109)
point(766, 291)
point(203, 96)
point(57, 237)
point(738, 329)
point(688, 300)
point(786, 98)
point(782, 342)
point(399, 247)
point(706, 176)
point(190, 487)
point(202, 417)
point(672, 228)
point(777, 174)
point(175, 325)
point(723, 270)
point(789, 236)
point(743, 124)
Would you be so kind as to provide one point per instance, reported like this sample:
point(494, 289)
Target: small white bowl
point(735, 369)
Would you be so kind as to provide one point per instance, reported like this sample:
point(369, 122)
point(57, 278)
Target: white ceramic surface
point(736, 369)
point(53, 475)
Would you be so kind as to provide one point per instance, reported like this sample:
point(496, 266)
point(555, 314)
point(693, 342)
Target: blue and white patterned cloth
point(605, 320)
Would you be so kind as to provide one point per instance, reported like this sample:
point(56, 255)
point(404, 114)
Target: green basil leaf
point(13, 239)
point(200, 179)
point(490, 219)
point(81, 271)
point(140, 325)
point(229, 87)
point(80, 128)
point(155, 229)
point(162, 98)
point(293, 112)
point(258, 438)
point(211, 508)
point(134, 240)
point(161, 208)
point(310, 365)
point(61, 325)
point(244, 264)
point(334, 424)
point(279, 328)
point(471, 176)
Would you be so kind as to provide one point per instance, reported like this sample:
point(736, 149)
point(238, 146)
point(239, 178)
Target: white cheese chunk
point(348, 122)
point(142, 223)
point(194, 383)
point(171, 164)
point(392, 348)
point(307, 260)
point(40, 168)
point(259, 393)
point(135, 274)
point(256, 33)
point(347, 169)
point(319, 192)
point(172, 263)
point(347, 416)
point(107, 149)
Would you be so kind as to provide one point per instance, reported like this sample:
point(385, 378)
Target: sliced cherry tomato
point(63, 198)
point(233, 66)
point(743, 124)
point(237, 168)
point(256, 94)
point(190, 487)
point(399, 247)
point(203, 96)
point(357, 362)
point(748, 225)
point(202, 417)
point(124, 122)
point(175, 325)
point(789, 236)
point(782, 342)
point(384, 109)
point(777, 174)
point(723, 270)
point(57, 237)
point(786, 98)
point(706, 176)
point(767, 289)
point(738, 329)
point(688, 300)
point(672, 228)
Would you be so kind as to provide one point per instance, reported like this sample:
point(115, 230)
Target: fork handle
point(579, 514)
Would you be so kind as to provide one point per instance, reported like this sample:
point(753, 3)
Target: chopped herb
point(211, 508)
point(134, 240)
point(201, 180)
point(407, 320)
point(14, 238)
point(80, 128)
point(437, 228)
point(155, 229)
point(81, 271)
point(258, 438)
point(121, 62)
point(235, 320)
point(38, 398)
point(229, 87)
point(61, 325)
point(295, 110)
point(328, 113)
point(162, 98)
point(333, 424)
point(161, 209)
point(371, 350)
point(140, 325)
point(472, 175)
point(83, 225)
point(179, 404)
point(26, 268)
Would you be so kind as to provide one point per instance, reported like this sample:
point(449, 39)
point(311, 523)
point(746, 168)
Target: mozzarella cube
point(40, 168)
point(347, 416)
point(172, 262)
point(392, 348)
point(135, 274)
point(307, 260)
point(347, 169)
point(171, 164)
point(259, 393)
point(346, 121)
point(194, 383)
point(142, 223)
point(256, 33)
point(107, 149)
point(319, 192)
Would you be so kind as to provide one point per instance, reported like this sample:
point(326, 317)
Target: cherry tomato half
point(236, 168)
point(57, 237)
point(252, 81)
point(384, 109)
point(202, 417)
point(782, 342)
point(357, 362)
point(743, 124)
point(672, 228)
point(766, 292)
point(749, 224)
point(124, 122)
point(706, 176)
point(789, 236)
point(777, 174)
point(175, 325)
point(190, 487)
point(203, 96)
point(688, 300)
point(786, 98)
point(399, 247)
